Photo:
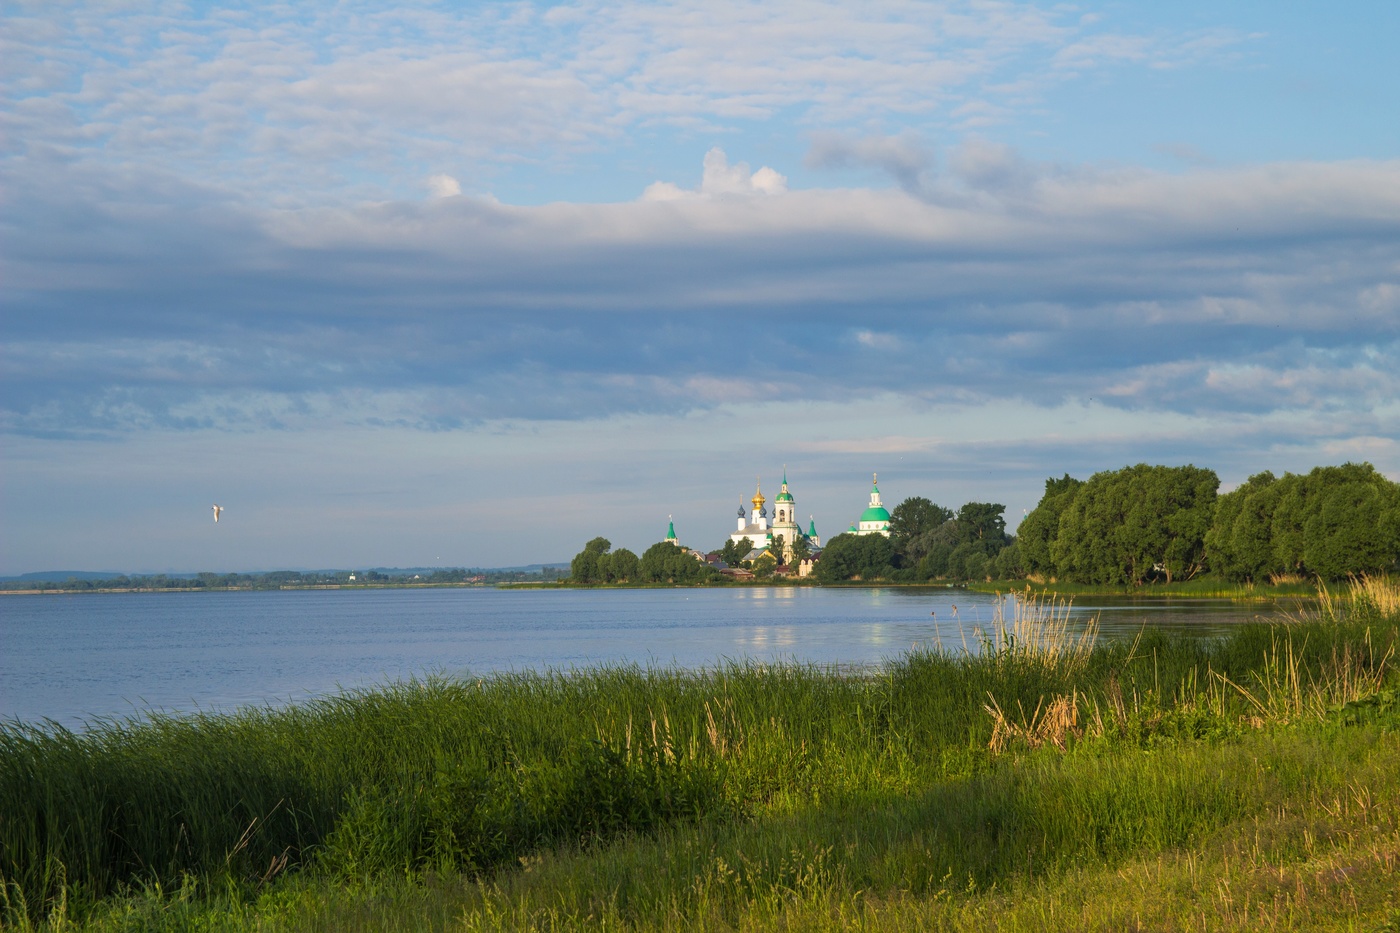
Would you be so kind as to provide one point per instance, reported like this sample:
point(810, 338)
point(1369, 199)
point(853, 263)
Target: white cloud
point(443, 186)
point(329, 102)
point(718, 179)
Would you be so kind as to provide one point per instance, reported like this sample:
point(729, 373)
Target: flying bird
point(217, 510)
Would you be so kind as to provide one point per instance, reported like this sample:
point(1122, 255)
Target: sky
point(441, 284)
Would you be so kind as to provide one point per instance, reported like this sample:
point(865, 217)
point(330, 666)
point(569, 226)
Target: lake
point(73, 658)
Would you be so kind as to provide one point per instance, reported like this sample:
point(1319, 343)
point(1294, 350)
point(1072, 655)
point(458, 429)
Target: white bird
point(217, 510)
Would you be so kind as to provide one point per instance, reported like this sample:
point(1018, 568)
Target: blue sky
point(469, 284)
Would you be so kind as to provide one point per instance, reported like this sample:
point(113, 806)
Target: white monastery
point(762, 534)
point(762, 531)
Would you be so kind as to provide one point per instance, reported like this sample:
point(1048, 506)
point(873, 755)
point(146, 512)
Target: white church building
point(761, 532)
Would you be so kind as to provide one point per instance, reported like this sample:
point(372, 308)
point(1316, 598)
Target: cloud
point(443, 186)
point(325, 102)
point(1243, 291)
point(904, 157)
point(719, 179)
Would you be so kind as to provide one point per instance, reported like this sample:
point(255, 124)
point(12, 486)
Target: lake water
point(76, 657)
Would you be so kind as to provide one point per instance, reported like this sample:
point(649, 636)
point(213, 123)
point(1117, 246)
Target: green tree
point(848, 556)
point(732, 553)
point(664, 562)
point(1008, 564)
point(937, 546)
point(1238, 543)
point(1129, 525)
point(983, 524)
point(910, 524)
point(1354, 523)
point(585, 567)
point(801, 548)
point(1038, 530)
point(624, 565)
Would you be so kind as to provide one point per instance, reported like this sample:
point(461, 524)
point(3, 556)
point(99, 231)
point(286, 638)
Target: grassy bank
point(1187, 589)
point(1047, 782)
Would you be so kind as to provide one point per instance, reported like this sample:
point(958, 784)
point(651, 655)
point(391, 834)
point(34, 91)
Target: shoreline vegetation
point(1130, 531)
point(1049, 780)
point(1191, 589)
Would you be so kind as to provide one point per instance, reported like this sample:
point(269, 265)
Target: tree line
point(1149, 523)
point(663, 562)
point(1127, 527)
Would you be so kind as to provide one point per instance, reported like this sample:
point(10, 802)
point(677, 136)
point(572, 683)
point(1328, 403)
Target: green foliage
point(732, 553)
point(591, 565)
point(1133, 524)
point(984, 525)
point(665, 562)
point(1333, 522)
point(801, 548)
point(851, 556)
point(1009, 564)
point(1039, 529)
point(912, 524)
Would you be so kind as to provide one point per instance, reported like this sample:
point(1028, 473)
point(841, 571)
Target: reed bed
point(702, 796)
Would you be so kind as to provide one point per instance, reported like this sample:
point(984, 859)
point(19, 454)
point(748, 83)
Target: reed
point(487, 780)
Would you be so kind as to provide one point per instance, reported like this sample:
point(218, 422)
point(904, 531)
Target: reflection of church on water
point(762, 534)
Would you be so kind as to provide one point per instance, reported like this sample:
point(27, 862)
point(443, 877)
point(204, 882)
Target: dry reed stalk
point(1053, 725)
point(725, 733)
point(1284, 692)
point(1043, 631)
point(1381, 592)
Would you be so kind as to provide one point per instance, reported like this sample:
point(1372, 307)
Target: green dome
point(783, 497)
point(874, 514)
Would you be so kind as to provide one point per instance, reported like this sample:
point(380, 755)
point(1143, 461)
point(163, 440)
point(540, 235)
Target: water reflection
point(63, 658)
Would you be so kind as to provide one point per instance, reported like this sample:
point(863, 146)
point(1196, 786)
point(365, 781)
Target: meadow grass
point(954, 789)
point(1201, 588)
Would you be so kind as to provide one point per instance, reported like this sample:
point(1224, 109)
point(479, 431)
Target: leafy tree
point(1128, 525)
point(1238, 545)
point(623, 565)
point(1332, 522)
point(910, 522)
point(801, 549)
point(1038, 530)
point(848, 556)
point(1008, 564)
point(937, 547)
point(733, 553)
point(586, 567)
point(983, 524)
point(664, 562)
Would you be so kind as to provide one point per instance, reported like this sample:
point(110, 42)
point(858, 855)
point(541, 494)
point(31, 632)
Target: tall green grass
point(441, 778)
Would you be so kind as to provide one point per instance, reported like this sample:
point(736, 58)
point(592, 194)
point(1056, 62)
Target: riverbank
point(1049, 782)
point(1188, 589)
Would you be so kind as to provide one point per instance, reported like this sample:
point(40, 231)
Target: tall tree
point(983, 524)
point(1038, 530)
point(1128, 525)
point(910, 522)
point(585, 567)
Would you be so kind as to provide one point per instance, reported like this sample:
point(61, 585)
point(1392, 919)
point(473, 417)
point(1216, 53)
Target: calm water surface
point(74, 658)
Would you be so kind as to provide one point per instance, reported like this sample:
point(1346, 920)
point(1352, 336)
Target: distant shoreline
point(1237, 592)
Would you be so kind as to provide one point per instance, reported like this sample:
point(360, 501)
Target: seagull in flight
point(217, 510)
